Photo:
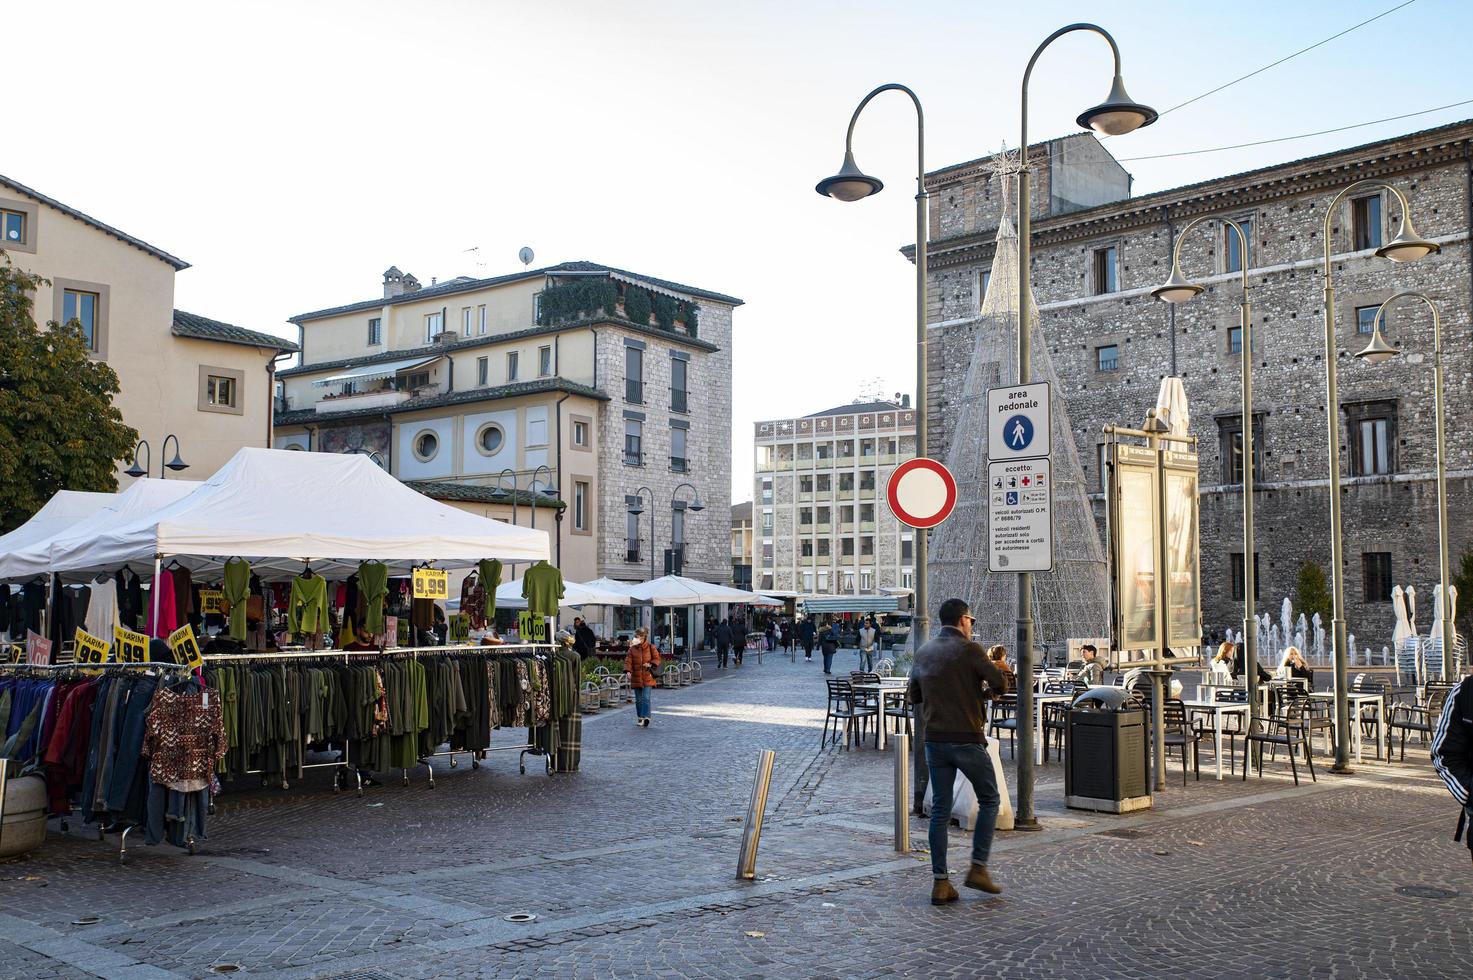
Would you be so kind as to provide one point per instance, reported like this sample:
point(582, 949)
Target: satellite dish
point(526, 256)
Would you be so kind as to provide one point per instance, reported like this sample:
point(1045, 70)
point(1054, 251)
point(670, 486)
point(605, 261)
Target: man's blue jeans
point(641, 702)
point(944, 759)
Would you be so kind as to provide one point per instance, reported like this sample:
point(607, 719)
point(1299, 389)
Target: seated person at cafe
point(1093, 671)
point(998, 654)
point(1293, 665)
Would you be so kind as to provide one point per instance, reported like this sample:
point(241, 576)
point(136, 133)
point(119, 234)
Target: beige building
point(821, 521)
point(590, 386)
point(207, 382)
point(741, 545)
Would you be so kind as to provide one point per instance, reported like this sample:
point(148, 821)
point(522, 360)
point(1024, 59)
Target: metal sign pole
point(1158, 672)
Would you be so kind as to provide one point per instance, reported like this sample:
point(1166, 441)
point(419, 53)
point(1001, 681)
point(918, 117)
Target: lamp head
point(850, 183)
point(1118, 114)
point(550, 492)
point(696, 504)
point(176, 464)
point(1176, 289)
point(135, 470)
point(499, 493)
point(1378, 349)
point(636, 508)
point(1407, 246)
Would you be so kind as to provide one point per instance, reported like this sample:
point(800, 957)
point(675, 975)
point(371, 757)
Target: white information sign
point(1020, 516)
point(1018, 421)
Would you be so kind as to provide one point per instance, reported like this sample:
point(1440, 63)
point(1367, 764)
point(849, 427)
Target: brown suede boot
point(942, 892)
point(979, 878)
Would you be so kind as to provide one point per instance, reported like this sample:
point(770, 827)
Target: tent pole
point(158, 561)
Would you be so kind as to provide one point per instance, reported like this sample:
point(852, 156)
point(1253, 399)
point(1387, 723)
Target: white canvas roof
point(676, 590)
point(65, 508)
point(144, 497)
point(277, 509)
point(509, 596)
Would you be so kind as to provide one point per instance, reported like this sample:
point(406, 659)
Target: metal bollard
point(902, 792)
point(752, 829)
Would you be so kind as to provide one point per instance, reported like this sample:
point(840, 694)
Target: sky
point(292, 151)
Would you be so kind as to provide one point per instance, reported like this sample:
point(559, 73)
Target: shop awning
point(851, 604)
point(373, 372)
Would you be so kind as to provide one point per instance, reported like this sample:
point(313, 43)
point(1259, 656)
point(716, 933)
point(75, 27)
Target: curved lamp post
point(1178, 289)
point(1407, 246)
point(1116, 116)
point(636, 509)
point(176, 464)
point(852, 184)
point(548, 490)
point(1379, 350)
point(135, 470)
point(500, 493)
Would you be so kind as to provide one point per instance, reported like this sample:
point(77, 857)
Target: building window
point(483, 370)
point(805, 484)
point(866, 479)
point(1102, 465)
point(907, 579)
point(907, 550)
point(848, 581)
point(481, 320)
point(807, 581)
point(866, 580)
point(1376, 568)
point(426, 446)
point(220, 392)
point(846, 482)
point(982, 293)
point(580, 505)
point(1235, 572)
point(767, 521)
point(13, 227)
point(866, 546)
point(767, 489)
point(824, 546)
point(805, 516)
point(434, 326)
point(1231, 249)
point(633, 442)
point(1372, 432)
point(580, 433)
point(1365, 222)
point(544, 362)
point(677, 532)
point(419, 379)
point(465, 322)
point(824, 515)
point(1365, 319)
point(805, 549)
point(83, 307)
point(375, 331)
point(513, 359)
point(490, 438)
point(825, 483)
point(677, 449)
point(679, 396)
point(631, 537)
point(866, 513)
point(1107, 358)
point(536, 431)
point(1103, 272)
point(1230, 447)
point(634, 375)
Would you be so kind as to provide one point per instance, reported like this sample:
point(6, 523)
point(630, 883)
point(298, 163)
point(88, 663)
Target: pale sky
point(292, 151)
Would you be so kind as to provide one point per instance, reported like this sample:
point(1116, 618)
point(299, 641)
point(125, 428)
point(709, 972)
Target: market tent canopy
point(676, 590)
point(278, 509)
point(144, 497)
point(509, 596)
point(65, 508)
point(612, 586)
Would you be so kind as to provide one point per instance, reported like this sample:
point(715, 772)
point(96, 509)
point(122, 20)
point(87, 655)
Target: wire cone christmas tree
point(1073, 600)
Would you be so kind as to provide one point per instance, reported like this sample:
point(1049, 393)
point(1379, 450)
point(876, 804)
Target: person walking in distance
point(806, 633)
point(869, 639)
point(830, 643)
point(642, 663)
point(738, 640)
point(723, 643)
point(947, 685)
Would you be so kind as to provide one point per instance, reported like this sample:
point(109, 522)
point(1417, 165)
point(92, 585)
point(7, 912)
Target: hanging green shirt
point(373, 584)
point(542, 587)
point(490, 570)
point(307, 612)
point(237, 588)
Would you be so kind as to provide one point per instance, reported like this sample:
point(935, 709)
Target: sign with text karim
point(1018, 421)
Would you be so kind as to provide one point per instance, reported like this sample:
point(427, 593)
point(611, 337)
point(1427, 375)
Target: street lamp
point(1407, 246)
point(636, 509)
point(852, 184)
point(1116, 116)
point(500, 493)
point(1377, 351)
point(1178, 289)
point(176, 464)
point(548, 490)
point(135, 470)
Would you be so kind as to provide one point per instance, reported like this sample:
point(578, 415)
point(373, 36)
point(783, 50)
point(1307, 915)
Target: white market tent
point(612, 586)
point(278, 509)
point(64, 509)
point(509, 596)
point(676, 590)
point(144, 497)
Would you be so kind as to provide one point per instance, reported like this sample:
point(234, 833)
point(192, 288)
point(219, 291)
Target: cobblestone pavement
point(629, 868)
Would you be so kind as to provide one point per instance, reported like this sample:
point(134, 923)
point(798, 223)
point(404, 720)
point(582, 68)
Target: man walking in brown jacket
point(947, 684)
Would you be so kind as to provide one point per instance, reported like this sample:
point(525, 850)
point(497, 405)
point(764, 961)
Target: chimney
point(447, 337)
point(393, 282)
point(411, 284)
point(905, 401)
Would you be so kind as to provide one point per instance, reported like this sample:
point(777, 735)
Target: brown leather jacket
point(643, 665)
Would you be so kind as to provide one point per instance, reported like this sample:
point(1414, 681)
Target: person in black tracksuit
point(806, 633)
point(723, 642)
point(1452, 753)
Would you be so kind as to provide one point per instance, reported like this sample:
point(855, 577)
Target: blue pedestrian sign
point(1017, 432)
point(1018, 421)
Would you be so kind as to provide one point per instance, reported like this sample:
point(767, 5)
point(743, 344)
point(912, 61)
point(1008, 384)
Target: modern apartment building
point(205, 381)
point(741, 545)
point(821, 524)
point(592, 386)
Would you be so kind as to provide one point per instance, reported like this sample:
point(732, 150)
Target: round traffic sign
point(922, 492)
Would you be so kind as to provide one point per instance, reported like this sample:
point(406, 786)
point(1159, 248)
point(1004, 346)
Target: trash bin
point(1106, 751)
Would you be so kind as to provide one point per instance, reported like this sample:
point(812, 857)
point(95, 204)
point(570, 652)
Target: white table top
point(1238, 706)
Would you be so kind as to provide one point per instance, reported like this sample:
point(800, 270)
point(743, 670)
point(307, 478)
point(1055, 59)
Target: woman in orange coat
point(642, 663)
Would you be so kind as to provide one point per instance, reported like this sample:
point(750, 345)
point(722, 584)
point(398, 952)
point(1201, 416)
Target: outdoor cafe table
point(1359, 701)
point(1218, 709)
point(1039, 700)
point(889, 687)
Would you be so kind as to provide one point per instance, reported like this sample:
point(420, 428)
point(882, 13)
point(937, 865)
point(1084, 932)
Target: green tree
point(1463, 582)
point(59, 429)
point(1311, 594)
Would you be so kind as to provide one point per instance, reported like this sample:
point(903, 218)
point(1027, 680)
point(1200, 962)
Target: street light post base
point(1342, 770)
point(1027, 823)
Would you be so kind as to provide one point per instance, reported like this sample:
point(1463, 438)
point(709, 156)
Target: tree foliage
point(59, 429)
point(637, 305)
point(1463, 582)
point(1311, 594)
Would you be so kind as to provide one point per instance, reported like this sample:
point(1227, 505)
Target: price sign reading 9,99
point(431, 583)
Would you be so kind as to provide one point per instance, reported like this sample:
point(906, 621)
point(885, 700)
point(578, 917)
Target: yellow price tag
point(211, 601)
point(460, 628)
point(129, 647)
point(532, 628)
point(89, 649)
point(186, 647)
point(431, 583)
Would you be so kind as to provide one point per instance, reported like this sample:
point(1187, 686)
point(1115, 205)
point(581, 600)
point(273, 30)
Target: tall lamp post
point(1379, 350)
point(1407, 246)
point(695, 507)
point(852, 184)
point(636, 509)
point(176, 464)
point(1178, 289)
point(1116, 116)
point(548, 490)
point(501, 493)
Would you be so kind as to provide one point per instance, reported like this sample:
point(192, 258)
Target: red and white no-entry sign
point(921, 492)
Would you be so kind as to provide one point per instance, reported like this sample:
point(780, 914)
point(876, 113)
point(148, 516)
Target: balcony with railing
point(677, 465)
point(633, 391)
point(631, 554)
point(632, 454)
point(679, 400)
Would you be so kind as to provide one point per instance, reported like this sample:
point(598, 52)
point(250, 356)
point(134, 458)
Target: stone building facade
point(1111, 344)
point(820, 521)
